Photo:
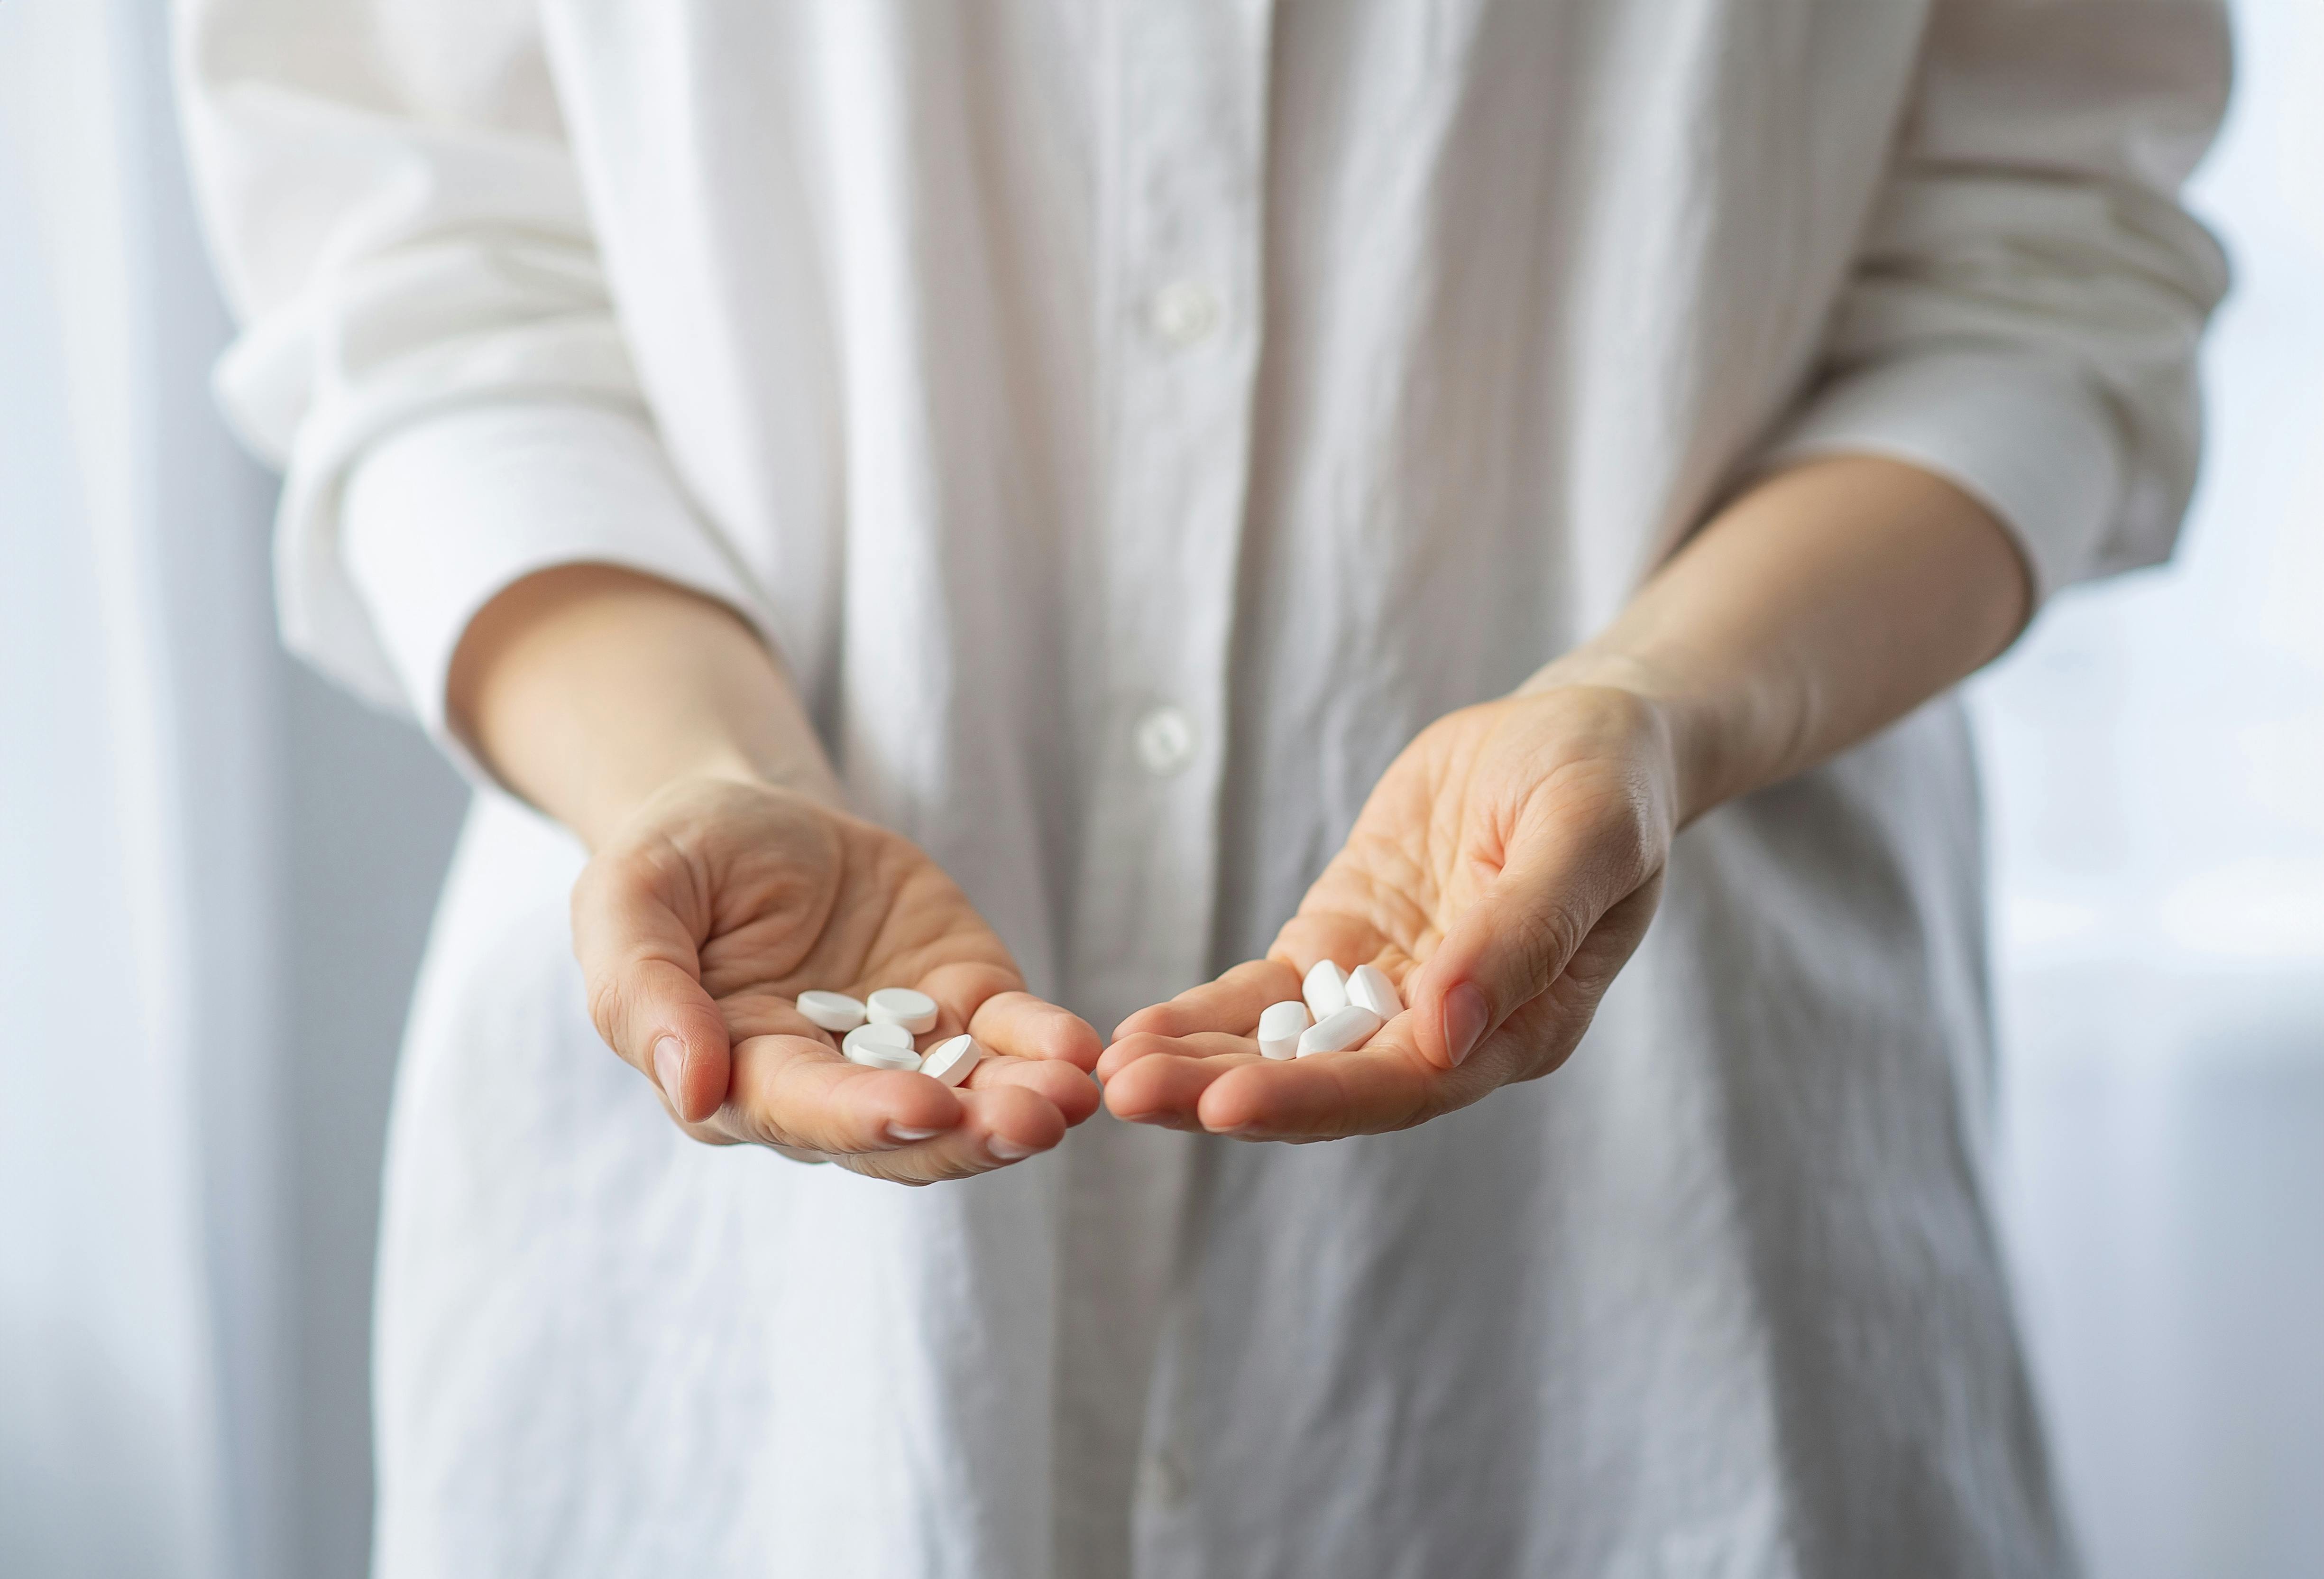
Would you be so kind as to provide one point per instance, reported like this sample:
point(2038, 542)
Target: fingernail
point(1004, 1150)
point(1464, 1022)
point(898, 1133)
point(669, 1068)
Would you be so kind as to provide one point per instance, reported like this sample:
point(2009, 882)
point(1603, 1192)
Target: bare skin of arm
point(1508, 862)
point(1502, 871)
point(726, 877)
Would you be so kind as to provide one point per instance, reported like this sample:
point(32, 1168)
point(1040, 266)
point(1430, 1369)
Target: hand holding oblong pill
point(1173, 1063)
point(1501, 872)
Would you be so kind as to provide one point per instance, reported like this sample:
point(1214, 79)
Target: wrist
point(1710, 732)
point(590, 689)
point(620, 800)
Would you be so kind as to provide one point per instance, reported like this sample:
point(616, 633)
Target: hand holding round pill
point(1502, 871)
point(719, 906)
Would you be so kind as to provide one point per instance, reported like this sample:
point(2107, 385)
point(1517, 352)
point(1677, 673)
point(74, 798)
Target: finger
point(1388, 1084)
point(1022, 1026)
point(1233, 1002)
point(1564, 869)
point(990, 1002)
point(1391, 1083)
point(1068, 1089)
point(1200, 1044)
point(1160, 1080)
point(1576, 993)
point(962, 988)
point(789, 1090)
point(1000, 1126)
point(642, 971)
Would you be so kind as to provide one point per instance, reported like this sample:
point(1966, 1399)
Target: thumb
point(1519, 936)
point(643, 969)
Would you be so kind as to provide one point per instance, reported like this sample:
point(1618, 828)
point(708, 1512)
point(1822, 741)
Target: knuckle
point(760, 1128)
point(1544, 938)
point(608, 1006)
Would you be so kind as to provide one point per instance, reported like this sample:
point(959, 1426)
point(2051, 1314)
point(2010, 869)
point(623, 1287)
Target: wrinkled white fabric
point(1130, 423)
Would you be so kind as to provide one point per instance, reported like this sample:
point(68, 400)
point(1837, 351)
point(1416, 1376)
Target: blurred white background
point(2154, 768)
point(214, 874)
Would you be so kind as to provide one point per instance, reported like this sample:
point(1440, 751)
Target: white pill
point(880, 1046)
point(1326, 990)
point(1351, 1027)
point(835, 1013)
point(877, 1034)
point(950, 1061)
point(915, 1011)
point(1369, 986)
point(1279, 1029)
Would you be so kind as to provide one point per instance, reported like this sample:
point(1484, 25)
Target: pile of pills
point(1339, 1012)
point(879, 1032)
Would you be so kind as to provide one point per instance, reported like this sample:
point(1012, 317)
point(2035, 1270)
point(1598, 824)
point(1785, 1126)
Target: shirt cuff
point(2031, 441)
point(437, 519)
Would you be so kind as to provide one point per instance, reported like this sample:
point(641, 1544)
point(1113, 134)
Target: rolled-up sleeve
point(2025, 307)
point(429, 349)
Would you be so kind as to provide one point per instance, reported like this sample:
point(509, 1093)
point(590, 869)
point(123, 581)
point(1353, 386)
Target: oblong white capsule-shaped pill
point(835, 1013)
point(1279, 1029)
point(1351, 1027)
point(880, 1047)
point(1368, 985)
point(1326, 990)
point(950, 1061)
point(915, 1011)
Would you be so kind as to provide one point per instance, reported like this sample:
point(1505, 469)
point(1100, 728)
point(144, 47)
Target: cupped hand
point(706, 913)
point(1503, 869)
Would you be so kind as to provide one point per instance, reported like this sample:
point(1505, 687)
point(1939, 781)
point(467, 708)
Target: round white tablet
point(880, 1046)
point(1279, 1029)
point(1369, 986)
point(950, 1061)
point(915, 1011)
point(835, 1013)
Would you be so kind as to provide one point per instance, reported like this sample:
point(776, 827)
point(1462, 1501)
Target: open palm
point(701, 922)
point(1501, 873)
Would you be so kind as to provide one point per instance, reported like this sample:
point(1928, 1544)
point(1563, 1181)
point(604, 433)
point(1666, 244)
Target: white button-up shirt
point(1131, 423)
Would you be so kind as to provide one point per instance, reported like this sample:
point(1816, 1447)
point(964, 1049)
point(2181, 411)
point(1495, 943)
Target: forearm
point(588, 688)
point(1825, 603)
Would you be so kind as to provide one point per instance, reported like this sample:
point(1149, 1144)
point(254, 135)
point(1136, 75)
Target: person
point(1089, 511)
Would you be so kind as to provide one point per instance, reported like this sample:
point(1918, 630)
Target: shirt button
point(1165, 739)
point(1183, 312)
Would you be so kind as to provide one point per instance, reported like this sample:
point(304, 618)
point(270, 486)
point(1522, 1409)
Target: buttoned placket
point(1183, 162)
point(1182, 184)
